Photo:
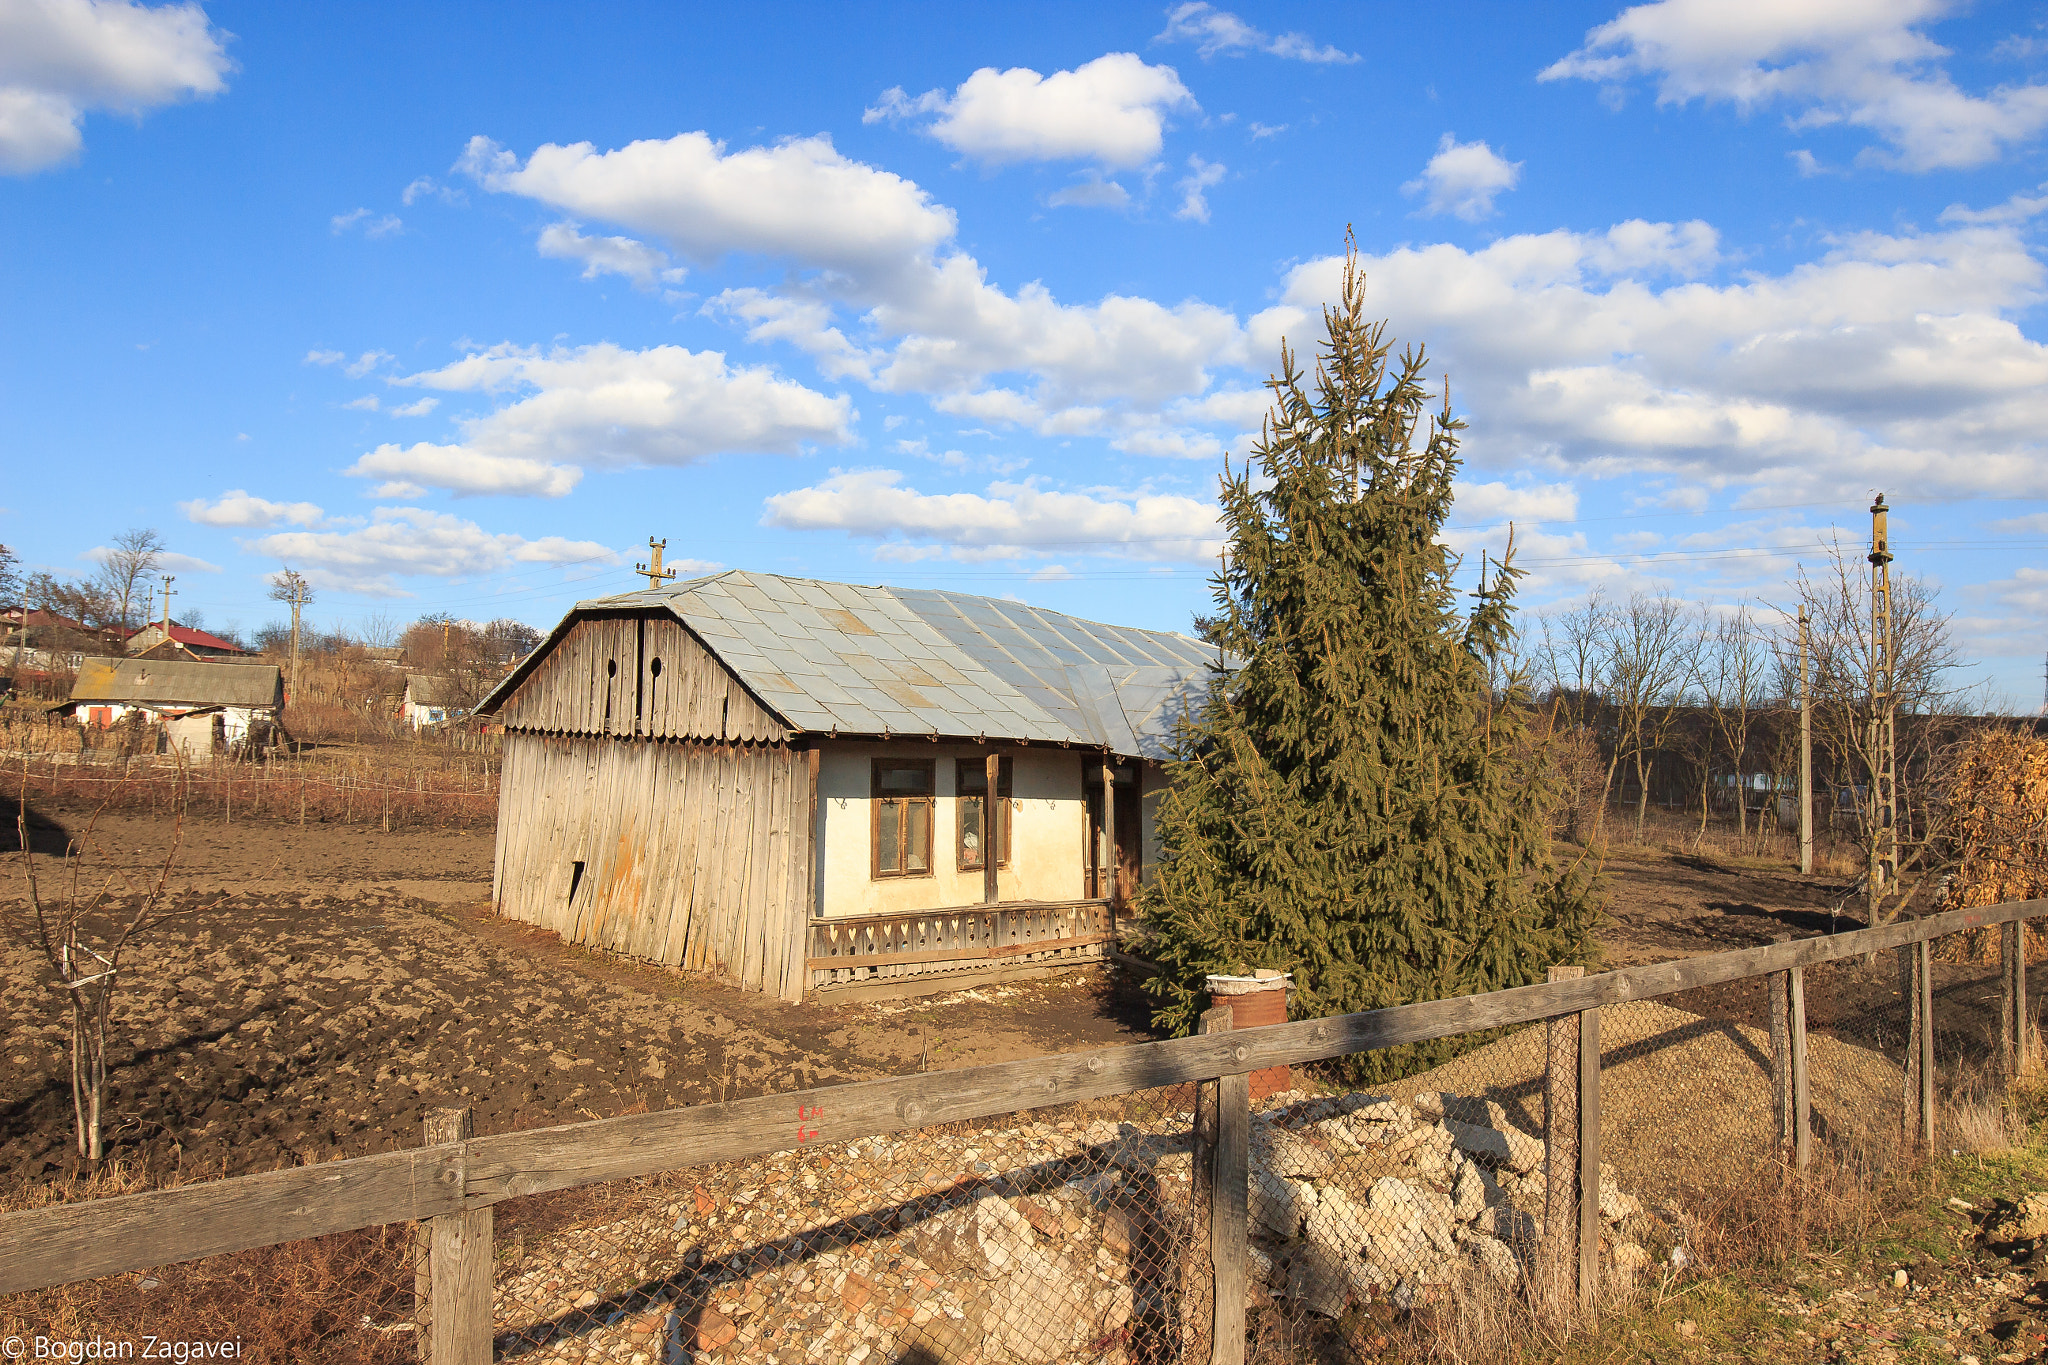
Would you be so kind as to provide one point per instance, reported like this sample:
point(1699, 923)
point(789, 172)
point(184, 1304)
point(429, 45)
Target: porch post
point(1106, 854)
point(993, 766)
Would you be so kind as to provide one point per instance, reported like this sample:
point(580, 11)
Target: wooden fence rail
point(88, 1239)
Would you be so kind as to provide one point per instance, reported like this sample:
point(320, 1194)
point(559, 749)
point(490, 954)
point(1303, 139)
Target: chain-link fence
point(1406, 1216)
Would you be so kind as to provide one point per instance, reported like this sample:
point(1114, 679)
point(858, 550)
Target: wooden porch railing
point(870, 948)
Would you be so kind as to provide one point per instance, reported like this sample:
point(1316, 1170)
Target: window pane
point(907, 779)
point(917, 836)
point(888, 857)
point(973, 777)
point(970, 831)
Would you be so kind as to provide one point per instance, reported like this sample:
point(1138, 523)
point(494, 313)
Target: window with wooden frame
point(903, 817)
point(972, 789)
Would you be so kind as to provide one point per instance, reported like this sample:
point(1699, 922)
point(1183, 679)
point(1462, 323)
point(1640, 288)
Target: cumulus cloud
point(1194, 187)
point(419, 407)
point(930, 322)
point(402, 542)
point(608, 406)
point(60, 59)
point(1111, 110)
point(1463, 178)
point(1864, 65)
point(1008, 521)
point(168, 559)
point(367, 403)
point(1216, 31)
point(362, 364)
point(324, 358)
point(238, 507)
point(637, 261)
point(1891, 358)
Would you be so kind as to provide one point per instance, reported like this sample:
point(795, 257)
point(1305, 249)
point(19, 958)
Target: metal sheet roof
point(178, 682)
point(863, 660)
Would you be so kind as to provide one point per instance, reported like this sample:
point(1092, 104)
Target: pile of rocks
point(1360, 1196)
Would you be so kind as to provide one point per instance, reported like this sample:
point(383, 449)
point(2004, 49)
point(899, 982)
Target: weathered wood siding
point(694, 854)
point(636, 675)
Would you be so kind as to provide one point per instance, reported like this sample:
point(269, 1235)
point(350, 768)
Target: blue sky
point(452, 307)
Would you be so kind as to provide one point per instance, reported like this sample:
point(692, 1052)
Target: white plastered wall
point(1046, 829)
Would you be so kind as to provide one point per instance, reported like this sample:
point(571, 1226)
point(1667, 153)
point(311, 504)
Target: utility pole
point(656, 575)
point(1882, 807)
point(292, 588)
point(168, 595)
point(1805, 757)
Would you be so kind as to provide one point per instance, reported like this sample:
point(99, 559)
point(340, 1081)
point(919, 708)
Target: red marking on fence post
point(810, 1112)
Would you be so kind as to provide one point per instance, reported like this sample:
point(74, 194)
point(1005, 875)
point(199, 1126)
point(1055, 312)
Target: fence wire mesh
point(1383, 1221)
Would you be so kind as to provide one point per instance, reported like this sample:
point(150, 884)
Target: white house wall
point(1046, 831)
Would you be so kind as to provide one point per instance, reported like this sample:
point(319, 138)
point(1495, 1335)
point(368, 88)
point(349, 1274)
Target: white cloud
point(1111, 110)
point(1259, 130)
point(409, 471)
point(1889, 360)
point(382, 226)
point(367, 403)
point(364, 363)
point(323, 358)
point(1526, 504)
point(411, 541)
point(61, 58)
point(1010, 521)
point(425, 185)
point(799, 198)
point(1463, 178)
point(637, 261)
point(1194, 203)
point(604, 405)
point(1860, 63)
point(419, 407)
point(1220, 31)
point(1091, 193)
point(167, 559)
point(237, 507)
point(930, 321)
point(2019, 209)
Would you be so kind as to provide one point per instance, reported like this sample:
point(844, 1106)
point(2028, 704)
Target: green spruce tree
point(1358, 803)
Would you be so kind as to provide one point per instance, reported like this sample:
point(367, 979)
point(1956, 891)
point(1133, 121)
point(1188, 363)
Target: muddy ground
point(316, 988)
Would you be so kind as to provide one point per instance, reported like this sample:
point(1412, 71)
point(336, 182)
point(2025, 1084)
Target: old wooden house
point(204, 708)
point(789, 782)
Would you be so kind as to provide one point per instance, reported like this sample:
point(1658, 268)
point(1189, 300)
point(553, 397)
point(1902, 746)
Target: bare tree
point(134, 556)
point(1843, 651)
point(1647, 650)
point(1734, 676)
point(85, 935)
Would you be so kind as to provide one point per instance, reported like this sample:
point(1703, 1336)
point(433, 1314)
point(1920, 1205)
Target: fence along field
point(1132, 1204)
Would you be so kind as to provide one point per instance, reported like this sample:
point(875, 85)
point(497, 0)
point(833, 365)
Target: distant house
point(205, 707)
point(428, 701)
point(789, 781)
point(155, 641)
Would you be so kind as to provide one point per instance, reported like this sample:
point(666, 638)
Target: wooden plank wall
point(691, 695)
point(694, 854)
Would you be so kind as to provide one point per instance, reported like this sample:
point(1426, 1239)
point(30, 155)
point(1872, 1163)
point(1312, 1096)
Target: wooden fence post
point(1924, 1004)
point(1802, 1125)
point(1228, 1215)
point(452, 1268)
point(1589, 1161)
point(1781, 1056)
point(1909, 996)
point(1203, 1172)
point(2023, 1015)
point(1561, 1090)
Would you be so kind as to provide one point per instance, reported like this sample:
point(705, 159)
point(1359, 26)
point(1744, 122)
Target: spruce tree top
point(1355, 804)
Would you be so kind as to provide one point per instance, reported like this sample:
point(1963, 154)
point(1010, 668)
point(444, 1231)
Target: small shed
point(245, 698)
point(428, 701)
point(811, 786)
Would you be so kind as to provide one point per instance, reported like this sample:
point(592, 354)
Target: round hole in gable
point(655, 667)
